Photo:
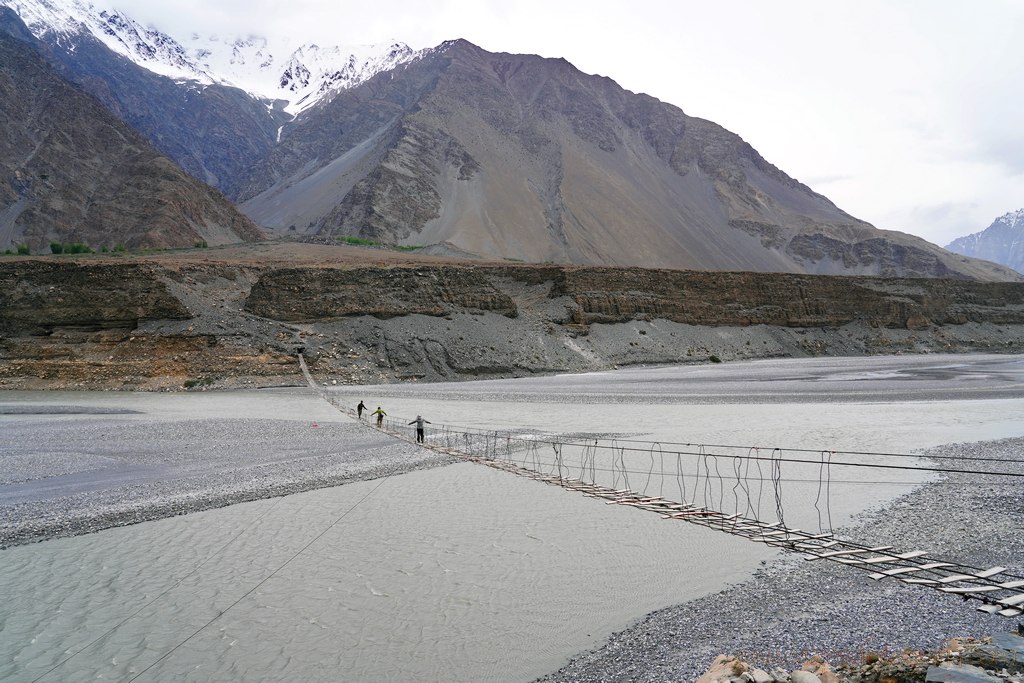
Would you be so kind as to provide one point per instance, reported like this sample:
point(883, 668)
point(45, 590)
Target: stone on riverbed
point(1005, 652)
point(947, 672)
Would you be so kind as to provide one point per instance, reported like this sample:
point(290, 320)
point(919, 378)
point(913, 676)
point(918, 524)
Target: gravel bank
point(794, 609)
point(73, 469)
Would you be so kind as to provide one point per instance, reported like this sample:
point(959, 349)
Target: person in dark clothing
point(380, 416)
point(359, 410)
point(419, 422)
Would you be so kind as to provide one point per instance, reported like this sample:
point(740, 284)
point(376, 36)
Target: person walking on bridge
point(419, 422)
point(359, 410)
point(380, 416)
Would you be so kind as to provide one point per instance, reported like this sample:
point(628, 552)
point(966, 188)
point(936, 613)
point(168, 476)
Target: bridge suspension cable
point(736, 490)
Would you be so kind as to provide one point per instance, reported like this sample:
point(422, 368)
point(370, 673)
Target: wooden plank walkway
point(883, 562)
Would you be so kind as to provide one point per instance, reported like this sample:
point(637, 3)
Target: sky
point(905, 113)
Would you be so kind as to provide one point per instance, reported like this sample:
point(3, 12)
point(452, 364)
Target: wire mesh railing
point(780, 497)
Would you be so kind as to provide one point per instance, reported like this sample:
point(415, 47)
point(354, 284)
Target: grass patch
point(358, 241)
point(364, 242)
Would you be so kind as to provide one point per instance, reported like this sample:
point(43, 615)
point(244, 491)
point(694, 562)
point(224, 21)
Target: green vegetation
point(358, 241)
point(715, 359)
point(119, 248)
point(200, 244)
point(199, 382)
point(364, 242)
point(23, 250)
point(71, 248)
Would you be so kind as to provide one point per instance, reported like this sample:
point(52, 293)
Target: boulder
point(820, 668)
point(804, 677)
point(724, 668)
point(1005, 652)
point(947, 672)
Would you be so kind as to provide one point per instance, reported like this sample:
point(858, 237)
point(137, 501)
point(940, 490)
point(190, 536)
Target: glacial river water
point(462, 573)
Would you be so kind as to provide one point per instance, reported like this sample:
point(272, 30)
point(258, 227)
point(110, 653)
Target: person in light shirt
point(419, 422)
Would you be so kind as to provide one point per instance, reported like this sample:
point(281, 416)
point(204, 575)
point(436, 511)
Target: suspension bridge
point(735, 490)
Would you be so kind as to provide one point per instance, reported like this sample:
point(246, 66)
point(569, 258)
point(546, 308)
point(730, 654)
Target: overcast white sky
point(905, 113)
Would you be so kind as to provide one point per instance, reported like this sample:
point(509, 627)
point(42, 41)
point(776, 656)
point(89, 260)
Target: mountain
point(215, 105)
point(465, 152)
point(516, 156)
point(1001, 242)
point(298, 76)
point(73, 172)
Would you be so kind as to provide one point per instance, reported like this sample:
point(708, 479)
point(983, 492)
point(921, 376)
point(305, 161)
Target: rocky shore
point(63, 476)
point(999, 658)
point(793, 611)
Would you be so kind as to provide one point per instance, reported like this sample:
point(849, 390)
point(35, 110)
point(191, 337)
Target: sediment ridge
point(172, 323)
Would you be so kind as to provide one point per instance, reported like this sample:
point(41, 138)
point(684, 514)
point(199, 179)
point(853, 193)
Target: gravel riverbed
point(77, 467)
point(793, 609)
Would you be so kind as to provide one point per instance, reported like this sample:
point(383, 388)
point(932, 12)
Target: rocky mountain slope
point(467, 153)
point(74, 173)
point(214, 105)
point(516, 156)
point(1001, 242)
point(211, 131)
point(295, 76)
point(224, 317)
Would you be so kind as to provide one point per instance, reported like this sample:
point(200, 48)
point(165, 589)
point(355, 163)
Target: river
point(454, 573)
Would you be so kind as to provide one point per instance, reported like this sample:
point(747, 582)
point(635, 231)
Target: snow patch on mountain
point(300, 75)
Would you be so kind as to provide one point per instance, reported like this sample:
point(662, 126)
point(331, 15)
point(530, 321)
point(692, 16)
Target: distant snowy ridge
point(1002, 242)
point(301, 76)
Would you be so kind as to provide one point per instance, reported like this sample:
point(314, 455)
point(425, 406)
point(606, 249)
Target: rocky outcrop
point(311, 294)
point(998, 659)
point(742, 299)
point(40, 297)
point(171, 322)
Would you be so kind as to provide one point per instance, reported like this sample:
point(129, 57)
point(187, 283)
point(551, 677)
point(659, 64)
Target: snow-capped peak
point(301, 76)
point(147, 47)
point(1012, 219)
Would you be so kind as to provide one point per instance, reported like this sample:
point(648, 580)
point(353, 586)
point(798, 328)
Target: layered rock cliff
point(168, 324)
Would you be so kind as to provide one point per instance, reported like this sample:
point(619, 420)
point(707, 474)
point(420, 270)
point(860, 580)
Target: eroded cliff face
point(170, 325)
point(308, 295)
